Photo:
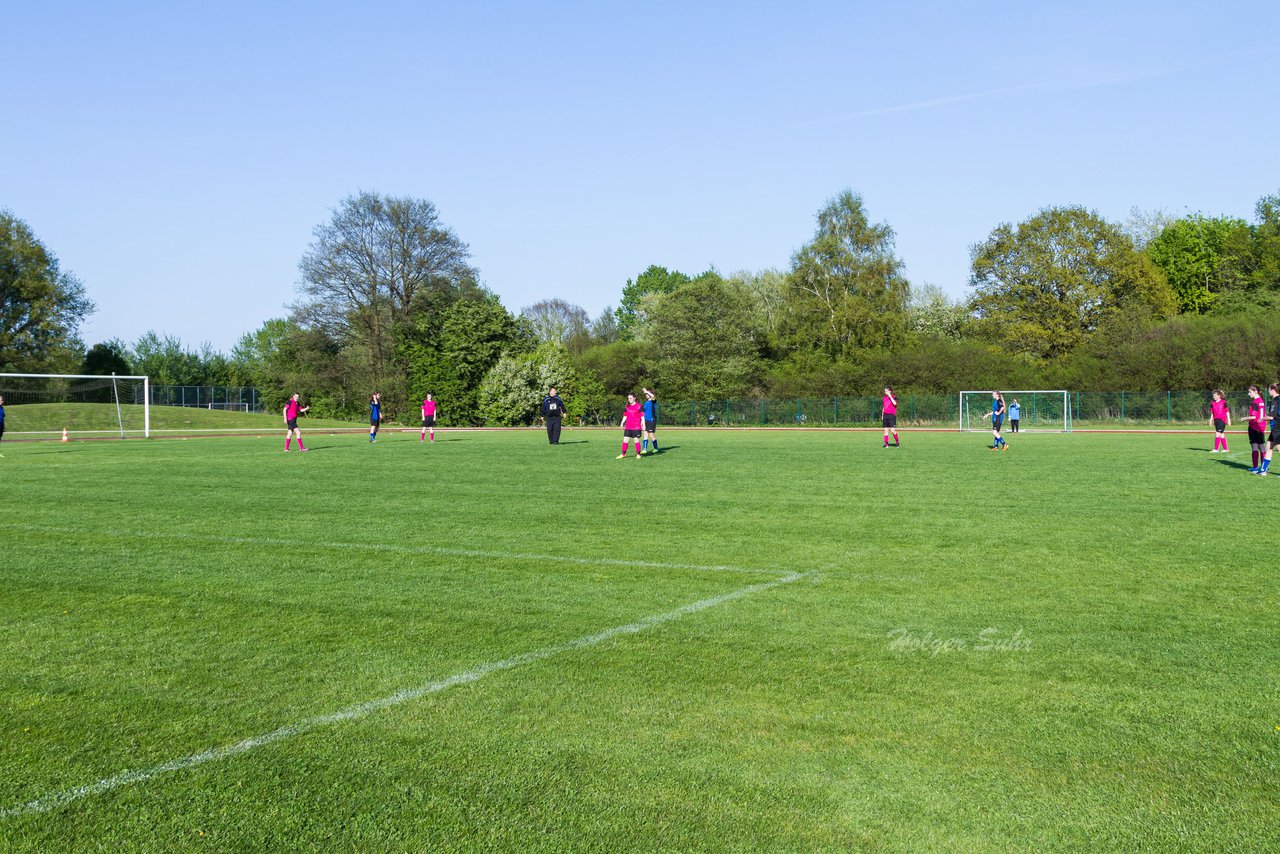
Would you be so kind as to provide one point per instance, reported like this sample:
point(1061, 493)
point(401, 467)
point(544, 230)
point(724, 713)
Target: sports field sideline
point(753, 640)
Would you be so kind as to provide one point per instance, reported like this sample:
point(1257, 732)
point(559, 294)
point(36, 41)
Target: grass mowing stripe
point(387, 547)
point(58, 799)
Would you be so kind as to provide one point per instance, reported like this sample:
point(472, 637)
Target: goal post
point(1042, 410)
point(85, 404)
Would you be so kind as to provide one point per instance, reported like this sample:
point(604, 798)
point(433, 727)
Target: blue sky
point(176, 156)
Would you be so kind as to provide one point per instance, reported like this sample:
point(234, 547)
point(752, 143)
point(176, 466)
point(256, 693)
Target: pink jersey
point(428, 409)
point(633, 417)
point(890, 408)
point(291, 410)
point(1219, 410)
point(1258, 413)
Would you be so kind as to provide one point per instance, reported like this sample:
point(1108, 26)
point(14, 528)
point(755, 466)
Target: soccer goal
point(43, 404)
point(1039, 410)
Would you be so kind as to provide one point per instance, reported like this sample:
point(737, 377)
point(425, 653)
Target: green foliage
point(847, 289)
point(703, 341)
point(513, 389)
point(1203, 257)
point(109, 357)
point(654, 280)
point(931, 313)
point(619, 366)
point(41, 306)
point(1041, 288)
point(1266, 245)
point(450, 356)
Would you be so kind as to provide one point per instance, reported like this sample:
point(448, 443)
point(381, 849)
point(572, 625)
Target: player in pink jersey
point(292, 410)
point(428, 420)
point(889, 416)
point(1257, 427)
point(632, 425)
point(1220, 414)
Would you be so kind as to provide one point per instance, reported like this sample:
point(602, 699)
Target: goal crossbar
point(1043, 410)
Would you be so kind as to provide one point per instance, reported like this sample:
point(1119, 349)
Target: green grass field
point(753, 641)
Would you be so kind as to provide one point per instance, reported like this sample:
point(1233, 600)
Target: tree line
point(389, 300)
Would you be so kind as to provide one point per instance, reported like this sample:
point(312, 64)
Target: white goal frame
point(146, 395)
point(969, 424)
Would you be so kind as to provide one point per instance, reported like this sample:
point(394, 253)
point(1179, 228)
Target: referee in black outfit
point(552, 411)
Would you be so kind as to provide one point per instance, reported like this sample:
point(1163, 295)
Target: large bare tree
point(371, 266)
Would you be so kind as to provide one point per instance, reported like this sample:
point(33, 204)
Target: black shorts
point(889, 420)
point(650, 426)
point(374, 422)
point(631, 434)
point(996, 422)
point(291, 424)
point(1219, 425)
point(1256, 437)
point(1274, 438)
point(429, 421)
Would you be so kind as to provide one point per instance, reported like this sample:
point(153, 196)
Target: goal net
point(1038, 410)
point(102, 406)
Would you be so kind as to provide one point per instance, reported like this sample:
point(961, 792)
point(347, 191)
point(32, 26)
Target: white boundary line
point(55, 800)
point(387, 547)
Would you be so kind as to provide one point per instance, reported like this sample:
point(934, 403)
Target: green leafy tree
point(1266, 245)
point(1203, 258)
point(1043, 286)
point(847, 291)
point(449, 355)
point(618, 365)
point(512, 391)
point(703, 341)
point(556, 321)
point(109, 357)
point(654, 280)
point(931, 313)
point(41, 306)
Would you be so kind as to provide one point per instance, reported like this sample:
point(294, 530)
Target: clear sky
point(176, 156)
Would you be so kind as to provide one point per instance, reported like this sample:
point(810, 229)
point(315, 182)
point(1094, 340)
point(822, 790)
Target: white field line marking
point(386, 547)
point(55, 800)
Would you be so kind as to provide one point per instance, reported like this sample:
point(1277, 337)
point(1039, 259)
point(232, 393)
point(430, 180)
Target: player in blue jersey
point(375, 416)
point(1, 417)
point(650, 409)
point(997, 418)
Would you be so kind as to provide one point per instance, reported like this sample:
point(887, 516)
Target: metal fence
point(1087, 407)
point(230, 398)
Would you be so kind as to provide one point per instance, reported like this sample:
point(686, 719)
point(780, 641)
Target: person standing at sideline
point(889, 417)
point(1220, 414)
point(1, 417)
point(292, 410)
point(1015, 415)
point(650, 407)
point(552, 412)
point(1273, 412)
point(375, 416)
point(632, 426)
point(1257, 428)
point(997, 418)
point(428, 419)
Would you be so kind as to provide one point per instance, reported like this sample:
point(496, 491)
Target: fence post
point(1168, 397)
point(913, 407)
point(1122, 406)
point(763, 420)
point(835, 411)
point(692, 423)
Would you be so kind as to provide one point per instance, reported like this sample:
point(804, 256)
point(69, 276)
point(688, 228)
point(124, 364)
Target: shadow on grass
point(576, 442)
point(1236, 464)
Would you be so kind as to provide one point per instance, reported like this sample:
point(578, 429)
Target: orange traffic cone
point(65, 438)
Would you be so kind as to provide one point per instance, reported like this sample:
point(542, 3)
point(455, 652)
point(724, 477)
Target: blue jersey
point(1015, 411)
point(995, 405)
point(375, 410)
point(651, 410)
point(1, 415)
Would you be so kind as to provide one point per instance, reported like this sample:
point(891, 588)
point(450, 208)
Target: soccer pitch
point(782, 641)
